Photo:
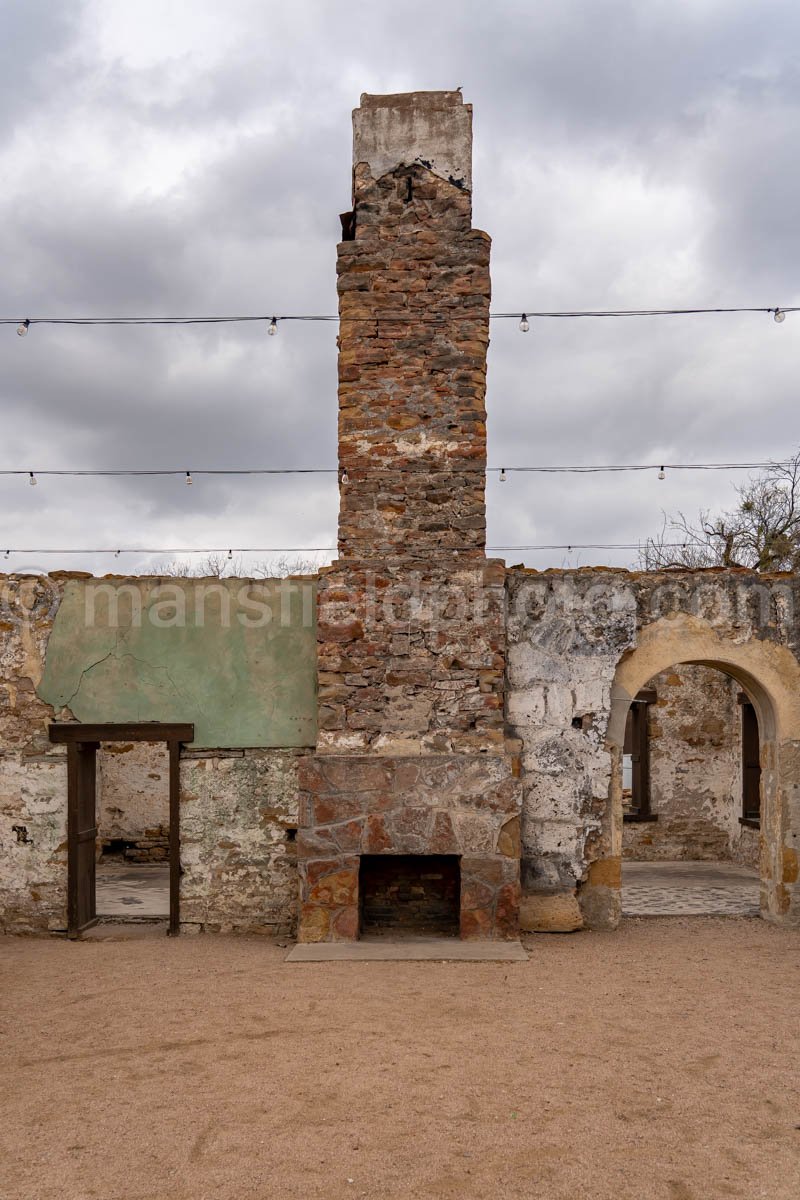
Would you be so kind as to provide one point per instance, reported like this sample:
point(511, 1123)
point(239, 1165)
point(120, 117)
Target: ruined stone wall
point(238, 847)
point(132, 790)
point(571, 637)
point(238, 807)
point(33, 773)
point(695, 740)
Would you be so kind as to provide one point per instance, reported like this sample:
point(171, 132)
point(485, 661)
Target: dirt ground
point(662, 1061)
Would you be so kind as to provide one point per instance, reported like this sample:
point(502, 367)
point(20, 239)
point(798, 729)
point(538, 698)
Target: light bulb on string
point(662, 474)
point(524, 324)
point(7, 554)
point(31, 479)
point(344, 479)
point(502, 475)
point(117, 553)
point(779, 316)
point(230, 555)
point(23, 327)
point(273, 327)
point(189, 480)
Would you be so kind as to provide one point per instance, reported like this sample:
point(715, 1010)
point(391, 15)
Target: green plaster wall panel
point(236, 657)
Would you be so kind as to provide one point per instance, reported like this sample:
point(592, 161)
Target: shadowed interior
point(414, 893)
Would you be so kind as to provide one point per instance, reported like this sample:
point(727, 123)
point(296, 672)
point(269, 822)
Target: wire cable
point(191, 473)
point(444, 550)
point(776, 311)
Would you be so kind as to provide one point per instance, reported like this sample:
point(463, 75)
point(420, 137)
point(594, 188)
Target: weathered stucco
point(238, 807)
point(236, 657)
point(33, 773)
point(434, 128)
point(581, 645)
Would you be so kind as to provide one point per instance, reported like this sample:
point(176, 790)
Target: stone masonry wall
point(429, 804)
point(414, 294)
point(411, 657)
point(238, 848)
point(132, 790)
point(33, 773)
point(695, 738)
point(569, 634)
point(238, 808)
point(412, 755)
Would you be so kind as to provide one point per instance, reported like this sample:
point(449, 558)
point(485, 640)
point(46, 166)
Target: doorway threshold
point(125, 931)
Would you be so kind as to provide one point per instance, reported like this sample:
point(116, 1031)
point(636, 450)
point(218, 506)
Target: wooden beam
point(140, 731)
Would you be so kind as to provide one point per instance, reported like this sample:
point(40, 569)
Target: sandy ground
point(661, 1061)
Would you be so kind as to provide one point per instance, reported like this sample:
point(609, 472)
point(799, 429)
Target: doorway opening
point(691, 796)
point(410, 894)
point(86, 842)
point(132, 849)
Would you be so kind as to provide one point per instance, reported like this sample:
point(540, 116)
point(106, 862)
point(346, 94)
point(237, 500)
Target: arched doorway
point(691, 796)
point(770, 677)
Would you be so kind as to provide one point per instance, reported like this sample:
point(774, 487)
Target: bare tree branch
point(219, 566)
point(762, 532)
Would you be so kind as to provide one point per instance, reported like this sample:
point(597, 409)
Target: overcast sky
point(190, 157)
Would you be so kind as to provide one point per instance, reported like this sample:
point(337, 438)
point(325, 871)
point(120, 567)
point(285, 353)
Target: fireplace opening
point(410, 894)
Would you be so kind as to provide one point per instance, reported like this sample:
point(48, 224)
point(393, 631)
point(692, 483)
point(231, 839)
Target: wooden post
point(174, 838)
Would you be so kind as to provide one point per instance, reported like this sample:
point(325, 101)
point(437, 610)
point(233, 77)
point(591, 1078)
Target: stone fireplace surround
point(434, 804)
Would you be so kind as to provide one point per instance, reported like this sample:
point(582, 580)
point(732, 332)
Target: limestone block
point(557, 912)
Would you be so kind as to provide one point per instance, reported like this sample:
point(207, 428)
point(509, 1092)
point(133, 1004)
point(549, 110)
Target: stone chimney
point(414, 293)
point(413, 793)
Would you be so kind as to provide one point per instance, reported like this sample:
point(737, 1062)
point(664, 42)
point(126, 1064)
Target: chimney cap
point(403, 128)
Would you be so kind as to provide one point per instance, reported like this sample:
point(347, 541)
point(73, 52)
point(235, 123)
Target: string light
point(229, 553)
point(662, 474)
point(344, 479)
point(31, 479)
point(524, 324)
point(537, 469)
point(779, 315)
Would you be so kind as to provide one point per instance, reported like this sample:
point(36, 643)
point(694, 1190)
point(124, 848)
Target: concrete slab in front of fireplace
point(423, 950)
point(464, 805)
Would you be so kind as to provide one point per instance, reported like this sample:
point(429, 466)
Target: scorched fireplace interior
point(410, 893)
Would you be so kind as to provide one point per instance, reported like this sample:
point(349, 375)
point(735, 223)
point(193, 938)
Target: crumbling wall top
point(434, 128)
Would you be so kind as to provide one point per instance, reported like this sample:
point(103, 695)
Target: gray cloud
point(627, 155)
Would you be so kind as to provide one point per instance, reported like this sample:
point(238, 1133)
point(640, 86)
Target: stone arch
point(770, 674)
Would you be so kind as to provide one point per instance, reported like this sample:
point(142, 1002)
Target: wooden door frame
point(79, 738)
